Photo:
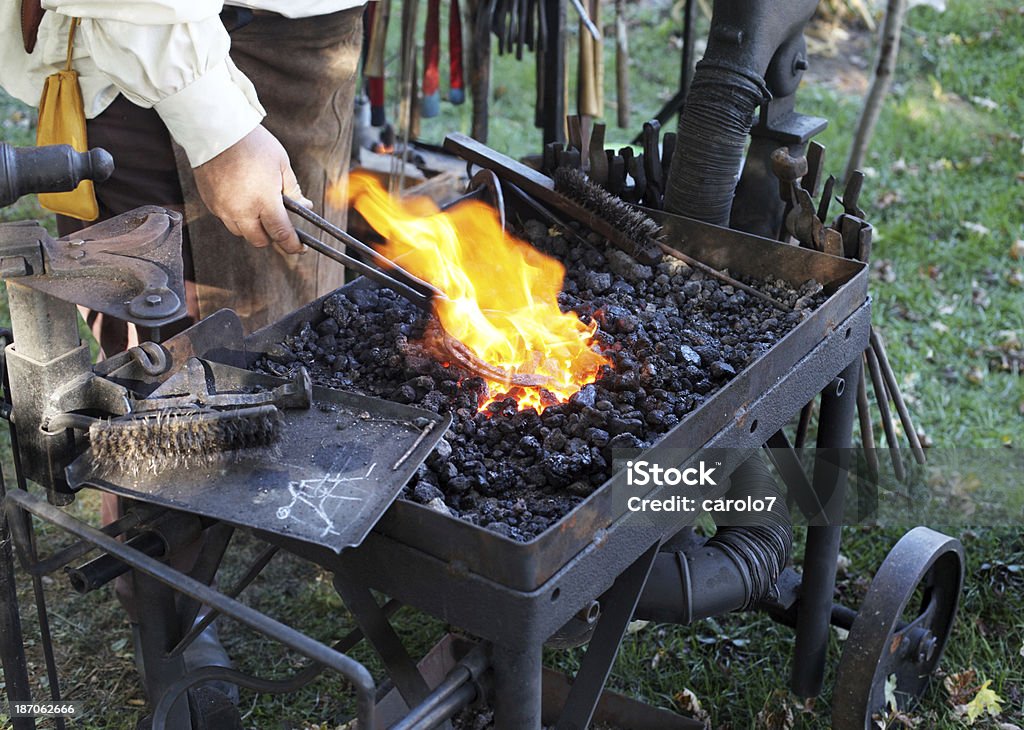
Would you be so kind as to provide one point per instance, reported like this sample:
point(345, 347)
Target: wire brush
point(181, 437)
point(640, 235)
point(640, 232)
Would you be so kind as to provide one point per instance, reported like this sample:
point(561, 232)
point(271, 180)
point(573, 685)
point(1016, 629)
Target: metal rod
point(104, 568)
point(787, 461)
point(351, 241)
point(12, 647)
point(897, 397)
point(713, 272)
point(250, 575)
point(441, 711)
point(258, 684)
point(878, 383)
point(349, 668)
point(415, 445)
point(821, 552)
point(585, 19)
point(382, 637)
point(406, 292)
point(803, 425)
point(867, 434)
point(73, 552)
point(439, 705)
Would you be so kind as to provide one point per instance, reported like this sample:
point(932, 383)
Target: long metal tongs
point(385, 272)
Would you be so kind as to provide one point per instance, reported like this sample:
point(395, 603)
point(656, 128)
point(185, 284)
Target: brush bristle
point(640, 230)
point(153, 442)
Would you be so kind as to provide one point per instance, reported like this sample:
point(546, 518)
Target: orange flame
point(501, 293)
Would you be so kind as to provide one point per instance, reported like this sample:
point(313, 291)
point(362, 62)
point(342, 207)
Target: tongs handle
point(418, 298)
point(395, 273)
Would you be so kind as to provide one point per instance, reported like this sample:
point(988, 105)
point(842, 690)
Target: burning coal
point(501, 293)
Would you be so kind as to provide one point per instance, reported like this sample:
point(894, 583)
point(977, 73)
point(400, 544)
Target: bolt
point(77, 255)
point(800, 63)
point(154, 299)
point(76, 242)
point(926, 647)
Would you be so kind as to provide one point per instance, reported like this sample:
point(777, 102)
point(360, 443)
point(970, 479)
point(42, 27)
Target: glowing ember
point(502, 294)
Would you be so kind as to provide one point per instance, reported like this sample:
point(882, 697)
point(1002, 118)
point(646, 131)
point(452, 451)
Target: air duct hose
point(735, 568)
point(712, 133)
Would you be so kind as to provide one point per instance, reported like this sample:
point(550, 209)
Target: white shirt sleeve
point(173, 57)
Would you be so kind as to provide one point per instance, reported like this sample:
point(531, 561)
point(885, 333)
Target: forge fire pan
point(728, 419)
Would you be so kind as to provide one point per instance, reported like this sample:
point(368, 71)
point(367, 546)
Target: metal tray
point(339, 465)
point(525, 566)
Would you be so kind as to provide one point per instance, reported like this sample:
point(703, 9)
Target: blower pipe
point(734, 569)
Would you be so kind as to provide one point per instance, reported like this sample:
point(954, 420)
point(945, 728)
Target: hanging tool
point(480, 69)
point(585, 20)
point(456, 92)
point(621, 65)
point(590, 91)
point(430, 106)
point(379, 12)
point(652, 164)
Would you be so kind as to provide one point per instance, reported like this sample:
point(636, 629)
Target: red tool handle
point(456, 91)
point(431, 59)
point(377, 22)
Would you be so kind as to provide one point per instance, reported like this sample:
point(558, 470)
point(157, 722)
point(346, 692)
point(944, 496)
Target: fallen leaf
point(976, 228)
point(985, 702)
point(975, 375)
point(985, 103)
point(1017, 250)
point(687, 701)
point(890, 692)
point(959, 685)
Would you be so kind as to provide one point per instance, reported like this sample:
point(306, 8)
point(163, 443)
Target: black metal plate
point(328, 482)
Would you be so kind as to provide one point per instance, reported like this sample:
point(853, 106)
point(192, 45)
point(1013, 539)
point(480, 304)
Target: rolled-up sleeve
point(172, 56)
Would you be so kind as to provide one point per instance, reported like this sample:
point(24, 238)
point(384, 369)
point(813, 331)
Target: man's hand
point(243, 186)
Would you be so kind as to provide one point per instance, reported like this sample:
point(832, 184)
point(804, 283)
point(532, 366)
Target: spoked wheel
point(901, 628)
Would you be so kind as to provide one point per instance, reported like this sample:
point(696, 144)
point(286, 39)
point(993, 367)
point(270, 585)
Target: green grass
point(945, 191)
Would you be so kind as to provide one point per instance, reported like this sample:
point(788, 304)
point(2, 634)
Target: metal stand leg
point(517, 687)
point(158, 633)
point(597, 662)
point(373, 621)
point(835, 433)
point(11, 641)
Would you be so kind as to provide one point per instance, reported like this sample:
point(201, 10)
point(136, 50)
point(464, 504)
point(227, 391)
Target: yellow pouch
point(62, 121)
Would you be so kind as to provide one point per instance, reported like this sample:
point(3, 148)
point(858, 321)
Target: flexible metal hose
point(734, 569)
point(712, 132)
point(761, 545)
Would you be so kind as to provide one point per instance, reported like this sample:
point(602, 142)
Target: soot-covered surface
point(673, 337)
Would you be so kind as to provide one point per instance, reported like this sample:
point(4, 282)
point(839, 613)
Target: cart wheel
point(901, 628)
